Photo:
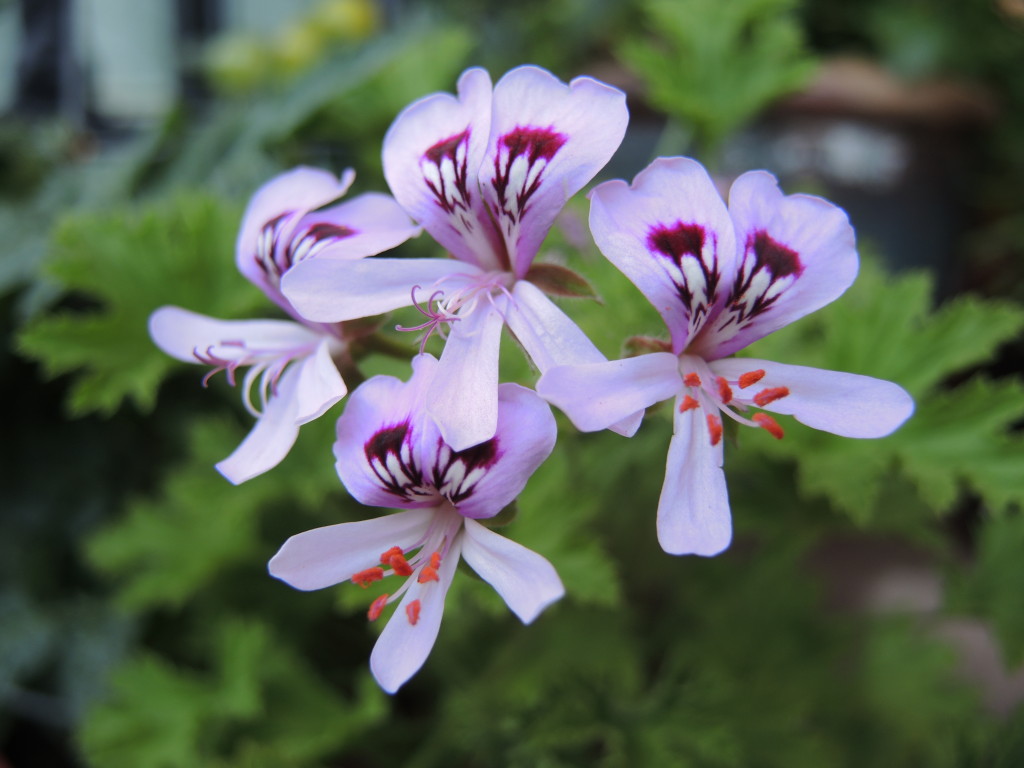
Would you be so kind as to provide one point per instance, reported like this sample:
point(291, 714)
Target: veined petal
point(284, 199)
point(527, 582)
point(403, 646)
point(363, 226)
point(463, 398)
point(330, 555)
point(432, 155)
point(480, 481)
point(271, 438)
point(693, 511)
point(380, 434)
point(845, 404)
point(191, 337)
point(547, 140)
point(795, 255)
point(670, 234)
point(597, 395)
point(319, 384)
point(331, 290)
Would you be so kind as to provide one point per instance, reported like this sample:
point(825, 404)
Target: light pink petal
point(331, 290)
point(330, 555)
point(379, 439)
point(597, 395)
point(403, 647)
point(551, 339)
point(182, 334)
point(693, 511)
point(527, 582)
point(432, 154)
point(845, 404)
point(271, 438)
point(547, 140)
point(289, 195)
point(463, 398)
point(669, 233)
point(363, 226)
point(796, 254)
point(319, 384)
point(480, 481)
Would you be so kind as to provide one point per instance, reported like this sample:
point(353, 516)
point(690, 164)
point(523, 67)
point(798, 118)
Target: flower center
point(442, 309)
point(716, 394)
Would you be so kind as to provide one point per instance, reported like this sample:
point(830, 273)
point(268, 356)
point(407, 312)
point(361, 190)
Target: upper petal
point(669, 233)
point(272, 212)
point(527, 582)
point(330, 555)
point(842, 403)
point(403, 646)
point(432, 154)
point(379, 439)
point(693, 511)
point(480, 481)
point(547, 140)
point(795, 255)
point(597, 395)
point(332, 290)
point(463, 398)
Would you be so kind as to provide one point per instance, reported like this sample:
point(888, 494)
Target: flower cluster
point(485, 173)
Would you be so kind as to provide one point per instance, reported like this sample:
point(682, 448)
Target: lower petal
point(526, 581)
point(330, 555)
point(598, 395)
point(463, 398)
point(844, 404)
point(319, 384)
point(693, 511)
point(403, 647)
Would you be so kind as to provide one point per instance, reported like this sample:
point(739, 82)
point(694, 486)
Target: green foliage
point(958, 438)
point(715, 65)
point(131, 263)
point(257, 705)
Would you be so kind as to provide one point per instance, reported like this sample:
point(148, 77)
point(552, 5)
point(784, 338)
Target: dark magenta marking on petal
point(448, 482)
point(389, 454)
point(312, 240)
point(266, 246)
point(770, 257)
point(448, 150)
point(534, 144)
point(779, 259)
point(680, 241)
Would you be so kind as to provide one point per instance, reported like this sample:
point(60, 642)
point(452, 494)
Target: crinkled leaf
point(560, 281)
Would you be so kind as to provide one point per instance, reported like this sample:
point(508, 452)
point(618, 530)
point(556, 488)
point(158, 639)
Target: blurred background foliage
point(869, 611)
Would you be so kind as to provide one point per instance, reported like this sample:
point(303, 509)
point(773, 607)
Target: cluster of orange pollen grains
point(723, 395)
point(395, 559)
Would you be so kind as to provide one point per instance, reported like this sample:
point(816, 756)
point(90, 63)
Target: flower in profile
point(391, 454)
point(485, 173)
point(292, 363)
point(721, 278)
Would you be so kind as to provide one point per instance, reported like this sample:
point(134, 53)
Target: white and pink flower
point(391, 454)
point(485, 173)
point(293, 361)
point(721, 278)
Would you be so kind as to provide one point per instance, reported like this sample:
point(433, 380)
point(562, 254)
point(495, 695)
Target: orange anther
point(370, 575)
point(429, 573)
point(412, 611)
point(715, 428)
point(435, 560)
point(770, 395)
point(688, 404)
point(386, 557)
point(770, 425)
point(376, 607)
point(691, 380)
point(724, 390)
point(400, 565)
point(750, 378)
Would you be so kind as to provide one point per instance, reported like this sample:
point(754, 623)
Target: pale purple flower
point(721, 279)
point(485, 174)
point(391, 454)
point(291, 363)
